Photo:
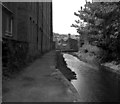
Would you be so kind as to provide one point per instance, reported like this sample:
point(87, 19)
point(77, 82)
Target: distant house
point(73, 44)
point(66, 42)
point(64, 45)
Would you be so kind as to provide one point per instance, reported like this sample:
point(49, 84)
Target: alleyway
point(40, 82)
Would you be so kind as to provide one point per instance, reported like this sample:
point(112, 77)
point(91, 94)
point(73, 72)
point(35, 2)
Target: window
point(8, 25)
point(7, 21)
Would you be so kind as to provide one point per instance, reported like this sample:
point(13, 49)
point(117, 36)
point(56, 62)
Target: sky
point(63, 15)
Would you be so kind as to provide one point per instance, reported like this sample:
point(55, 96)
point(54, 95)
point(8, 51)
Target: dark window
point(7, 22)
point(30, 18)
point(8, 25)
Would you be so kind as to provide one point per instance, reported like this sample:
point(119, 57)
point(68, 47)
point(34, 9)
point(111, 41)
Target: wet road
point(94, 84)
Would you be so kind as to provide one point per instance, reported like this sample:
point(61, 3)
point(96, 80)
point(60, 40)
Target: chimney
point(69, 36)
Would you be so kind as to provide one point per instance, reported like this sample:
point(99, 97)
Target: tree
point(101, 25)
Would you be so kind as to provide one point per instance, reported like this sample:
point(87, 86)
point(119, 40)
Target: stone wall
point(14, 56)
point(31, 33)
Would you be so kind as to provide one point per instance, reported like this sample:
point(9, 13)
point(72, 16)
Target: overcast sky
point(63, 15)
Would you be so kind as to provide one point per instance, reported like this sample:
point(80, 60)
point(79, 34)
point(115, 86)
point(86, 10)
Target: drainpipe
point(51, 35)
point(42, 30)
point(37, 23)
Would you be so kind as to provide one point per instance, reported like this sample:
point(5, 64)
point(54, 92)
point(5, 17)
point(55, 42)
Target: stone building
point(26, 30)
point(66, 42)
point(29, 22)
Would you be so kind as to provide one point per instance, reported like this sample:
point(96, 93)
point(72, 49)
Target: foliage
point(101, 25)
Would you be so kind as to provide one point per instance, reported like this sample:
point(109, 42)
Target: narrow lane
point(93, 84)
point(39, 82)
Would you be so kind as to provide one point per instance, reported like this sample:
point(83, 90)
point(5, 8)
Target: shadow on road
point(62, 66)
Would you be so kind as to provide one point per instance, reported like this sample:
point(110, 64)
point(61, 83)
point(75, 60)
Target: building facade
point(26, 30)
point(29, 22)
